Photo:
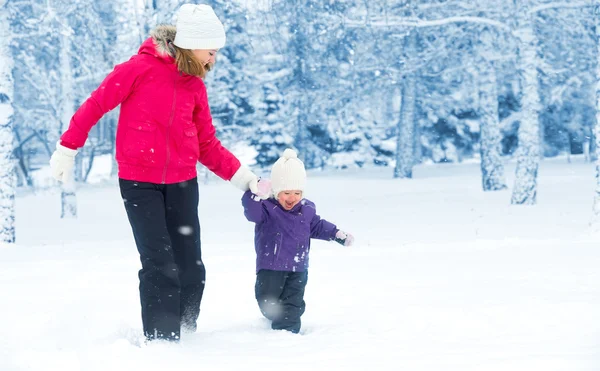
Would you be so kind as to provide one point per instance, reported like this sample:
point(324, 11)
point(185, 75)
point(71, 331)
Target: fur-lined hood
point(162, 36)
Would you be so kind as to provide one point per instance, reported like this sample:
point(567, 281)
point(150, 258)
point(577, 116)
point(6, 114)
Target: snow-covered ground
point(443, 277)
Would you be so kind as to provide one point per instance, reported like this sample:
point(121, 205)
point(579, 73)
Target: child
point(285, 223)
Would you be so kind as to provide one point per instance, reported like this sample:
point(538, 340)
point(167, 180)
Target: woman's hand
point(245, 179)
point(62, 163)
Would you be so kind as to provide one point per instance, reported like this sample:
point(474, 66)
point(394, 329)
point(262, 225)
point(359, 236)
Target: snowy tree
point(300, 29)
point(567, 78)
point(66, 108)
point(113, 23)
point(60, 72)
point(466, 106)
point(7, 174)
point(528, 63)
point(233, 90)
point(445, 85)
point(270, 131)
point(405, 151)
point(271, 138)
point(334, 78)
point(492, 168)
point(525, 188)
point(315, 48)
point(596, 205)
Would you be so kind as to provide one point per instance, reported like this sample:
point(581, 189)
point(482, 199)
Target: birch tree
point(595, 223)
point(68, 196)
point(529, 133)
point(528, 158)
point(492, 168)
point(405, 145)
point(7, 173)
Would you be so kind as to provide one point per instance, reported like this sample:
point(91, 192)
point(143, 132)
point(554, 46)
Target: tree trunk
point(304, 83)
point(114, 168)
point(418, 155)
point(525, 189)
point(22, 168)
point(595, 223)
point(68, 196)
point(90, 164)
point(492, 168)
point(150, 7)
point(7, 164)
point(392, 103)
point(592, 139)
point(405, 140)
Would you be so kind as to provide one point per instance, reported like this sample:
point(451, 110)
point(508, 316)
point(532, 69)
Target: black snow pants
point(164, 220)
point(280, 297)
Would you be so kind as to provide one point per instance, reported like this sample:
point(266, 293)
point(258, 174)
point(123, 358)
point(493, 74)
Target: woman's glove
point(62, 163)
point(344, 238)
point(245, 179)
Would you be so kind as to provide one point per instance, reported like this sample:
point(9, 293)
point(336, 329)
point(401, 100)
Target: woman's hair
point(188, 63)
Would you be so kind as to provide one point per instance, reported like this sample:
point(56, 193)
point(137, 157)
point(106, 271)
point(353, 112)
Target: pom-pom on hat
point(198, 28)
point(288, 173)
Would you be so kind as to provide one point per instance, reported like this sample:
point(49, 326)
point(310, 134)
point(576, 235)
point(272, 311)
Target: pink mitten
point(344, 238)
point(264, 188)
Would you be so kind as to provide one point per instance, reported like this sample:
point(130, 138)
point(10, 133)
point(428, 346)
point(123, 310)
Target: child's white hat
point(288, 173)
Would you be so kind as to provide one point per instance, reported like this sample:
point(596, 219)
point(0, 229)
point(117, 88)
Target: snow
point(442, 277)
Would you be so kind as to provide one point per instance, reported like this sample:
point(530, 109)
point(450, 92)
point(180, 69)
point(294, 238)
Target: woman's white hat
point(198, 28)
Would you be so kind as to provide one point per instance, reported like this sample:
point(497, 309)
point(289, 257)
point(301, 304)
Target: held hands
point(343, 238)
point(264, 189)
point(62, 162)
point(245, 179)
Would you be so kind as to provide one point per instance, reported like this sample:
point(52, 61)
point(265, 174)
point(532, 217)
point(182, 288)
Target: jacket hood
point(158, 42)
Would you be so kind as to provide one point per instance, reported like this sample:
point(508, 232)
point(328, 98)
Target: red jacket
point(165, 125)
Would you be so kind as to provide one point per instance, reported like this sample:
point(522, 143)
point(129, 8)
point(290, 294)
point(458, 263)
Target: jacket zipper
point(164, 177)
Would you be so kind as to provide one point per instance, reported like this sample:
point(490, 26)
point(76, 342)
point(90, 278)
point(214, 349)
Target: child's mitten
point(264, 188)
point(344, 238)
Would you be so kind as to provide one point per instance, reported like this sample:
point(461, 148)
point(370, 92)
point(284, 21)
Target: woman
point(164, 128)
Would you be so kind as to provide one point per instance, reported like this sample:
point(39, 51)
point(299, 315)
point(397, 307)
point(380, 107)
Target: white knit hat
point(288, 173)
point(198, 28)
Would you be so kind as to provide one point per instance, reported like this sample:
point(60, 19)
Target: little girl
point(285, 223)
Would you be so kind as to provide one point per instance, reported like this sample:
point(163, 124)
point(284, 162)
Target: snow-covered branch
point(565, 4)
point(421, 23)
point(460, 4)
point(460, 19)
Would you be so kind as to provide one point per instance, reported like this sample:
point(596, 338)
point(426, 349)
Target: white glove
point(245, 179)
point(62, 163)
point(344, 238)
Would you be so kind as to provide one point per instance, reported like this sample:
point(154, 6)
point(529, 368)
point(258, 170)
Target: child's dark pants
point(280, 296)
point(164, 220)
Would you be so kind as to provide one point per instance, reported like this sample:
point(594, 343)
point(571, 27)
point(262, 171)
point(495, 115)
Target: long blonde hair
point(188, 63)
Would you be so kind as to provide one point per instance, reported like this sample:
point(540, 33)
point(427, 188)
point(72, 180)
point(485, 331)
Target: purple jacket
point(281, 237)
